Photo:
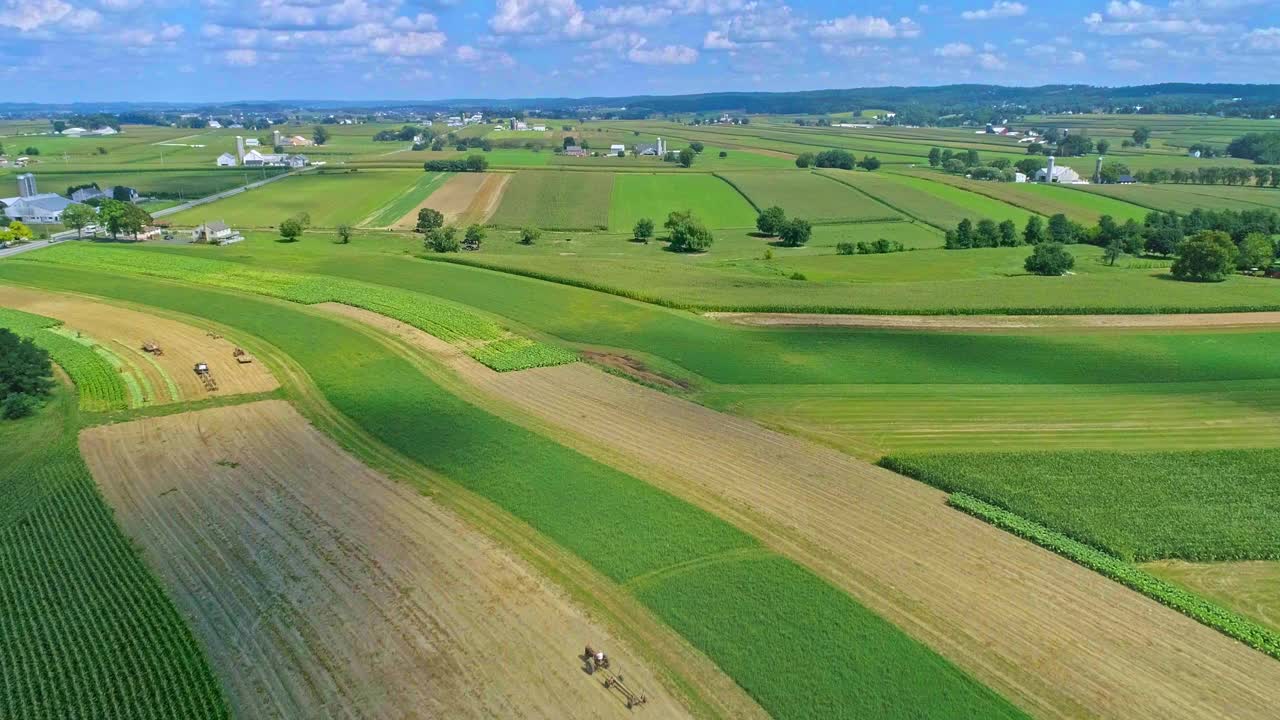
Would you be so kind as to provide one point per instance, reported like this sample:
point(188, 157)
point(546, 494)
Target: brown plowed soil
point(1057, 639)
point(123, 331)
point(322, 589)
point(464, 199)
point(1002, 322)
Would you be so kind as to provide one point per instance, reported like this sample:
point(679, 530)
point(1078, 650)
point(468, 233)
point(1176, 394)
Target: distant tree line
point(1262, 148)
point(1255, 176)
point(842, 159)
point(471, 163)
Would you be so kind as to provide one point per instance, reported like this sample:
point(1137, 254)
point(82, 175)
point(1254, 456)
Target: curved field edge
point(701, 307)
point(625, 528)
point(99, 385)
point(1225, 621)
point(478, 335)
point(85, 623)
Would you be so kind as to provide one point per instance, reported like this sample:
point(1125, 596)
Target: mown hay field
point(712, 200)
point(1138, 506)
point(330, 198)
point(809, 196)
point(403, 204)
point(556, 200)
point(627, 529)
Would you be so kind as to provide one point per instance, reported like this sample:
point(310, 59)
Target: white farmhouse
point(226, 160)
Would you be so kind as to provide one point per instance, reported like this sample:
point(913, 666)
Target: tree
point(134, 219)
point(987, 234)
point(529, 235)
point(59, 126)
point(1112, 172)
point(1033, 233)
point(1008, 234)
point(804, 160)
point(972, 158)
point(477, 163)
point(568, 142)
point(964, 233)
point(1162, 240)
point(1207, 256)
point(78, 217)
point(953, 165)
point(795, 232)
point(443, 239)
point(935, 157)
point(1061, 229)
point(1113, 250)
point(1255, 251)
point(25, 374)
point(1075, 145)
point(474, 236)
point(1035, 148)
point(842, 159)
point(685, 157)
point(870, 163)
point(344, 234)
point(1141, 135)
point(1103, 146)
point(688, 234)
point(429, 219)
point(770, 220)
point(111, 215)
point(696, 146)
point(290, 230)
point(320, 135)
point(643, 231)
point(1049, 258)
point(724, 153)
point(303, 218)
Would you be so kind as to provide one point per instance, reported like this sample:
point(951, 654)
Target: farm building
point(32, 206)
point(215, 233)
point(575, 151)
point(226, 160)
point(617, 149)
point(1054, 173)
point(126, 194)
point(658, 149)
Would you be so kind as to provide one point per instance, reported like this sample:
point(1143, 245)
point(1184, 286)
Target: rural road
point(71, 234)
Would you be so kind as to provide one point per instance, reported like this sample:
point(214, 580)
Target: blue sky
point(213, 50)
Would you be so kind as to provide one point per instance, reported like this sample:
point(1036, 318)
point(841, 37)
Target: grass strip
point(1187, 603)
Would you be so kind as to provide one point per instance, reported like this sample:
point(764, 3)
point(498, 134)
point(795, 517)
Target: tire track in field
point(1052, 636)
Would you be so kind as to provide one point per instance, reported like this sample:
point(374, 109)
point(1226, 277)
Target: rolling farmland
point(556, 201)
point(712, 200)
point(809, 196)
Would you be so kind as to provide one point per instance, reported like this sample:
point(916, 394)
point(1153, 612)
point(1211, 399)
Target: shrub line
point(1193, 606)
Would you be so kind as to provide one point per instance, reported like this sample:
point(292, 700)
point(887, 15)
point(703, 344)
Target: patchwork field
point(330, 198)
point(712, 201)
point(465, 199)
point(1048, 200)
point(1184, 198)
point(407, 203)
point(809, 196)
point(365, 597)
point(556, 200)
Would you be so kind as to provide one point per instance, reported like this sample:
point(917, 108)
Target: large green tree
point(78, 217)
point(1207, 256)
point(770, 220)
point(25, 374)
point(1049, 258)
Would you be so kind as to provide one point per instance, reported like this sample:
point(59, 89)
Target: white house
point(226, 160)
point(215, 233)
point(616, 149)
point(1061, 174)
point(1019, 177)
point(252, 142)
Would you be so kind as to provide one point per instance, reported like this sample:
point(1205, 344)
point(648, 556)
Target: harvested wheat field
point(123, 332)
point(1054, 637)
point(322, 589)
point(1001, 322)
point(464, 199)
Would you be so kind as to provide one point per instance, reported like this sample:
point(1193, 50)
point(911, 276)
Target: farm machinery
point(206, 377)
point(150, 346)
point(241, 356)
point(597, 663)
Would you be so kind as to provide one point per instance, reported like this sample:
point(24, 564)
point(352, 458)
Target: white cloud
point(1266, 40)
point(470, 55)
point(410, 44)
point(630, 16)
point(665, 55)
point(82, 20)
point(540, 17)
point(707, 7)
point(31, 14)
point(1075, 57)
point(759, 23)
point(998, 9)
point(991, 61)
point(1131, 17)
point(716, 40)
point(242, 58)
point(853, 51)
point(855, 27)
point(1125, 64)
point(1130, 10)
point(420, 22)
point(954, 50)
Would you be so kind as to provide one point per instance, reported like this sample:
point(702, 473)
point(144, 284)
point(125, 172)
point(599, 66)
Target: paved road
point(71, 234)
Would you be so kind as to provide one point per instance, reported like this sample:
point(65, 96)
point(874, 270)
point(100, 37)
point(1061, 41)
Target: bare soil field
point(1002, 322)
point(323, 590)
point(123, 331)
point(1054, 637)
point(1251, 588)
point(464, 199)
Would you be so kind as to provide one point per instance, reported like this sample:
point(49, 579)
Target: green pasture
point(330, 197)
point(979, 207)
point(810, 196)
point(1045, 199)
point(909, 199)
point(711, 199)
point(556, 200)
point(408, 200)
point(188, 184)
point(627, 529)
point(1138, 506)
point(1185, 198)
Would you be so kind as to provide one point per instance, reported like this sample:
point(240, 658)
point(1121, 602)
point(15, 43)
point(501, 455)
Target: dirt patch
point(322, 589)
point(636, 369)
point(123, 331)
point(1001, 322)
point(464, 199)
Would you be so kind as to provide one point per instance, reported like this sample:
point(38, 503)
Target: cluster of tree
point(987, 234)
point(875, 247)
point(405, 134)
point(686, 233)
point(1262, 148)
point(26, 375)
point(1050, 259)
point(95, 121)
point(445, 239)
point(842, 159)
point(292, 228)
point(319, 134)
point(1259, 176)
point(1212, 255)
point(15, 231)
point(793, 232)
point(118, 217)
point(472, 163)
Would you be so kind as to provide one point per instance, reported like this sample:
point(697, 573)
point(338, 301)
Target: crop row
point(446, 320)
point(99, 384)
point(519, 353)
point(1189, 604)
point(88, 631)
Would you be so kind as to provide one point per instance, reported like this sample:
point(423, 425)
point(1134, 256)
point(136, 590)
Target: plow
point(597, 663)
